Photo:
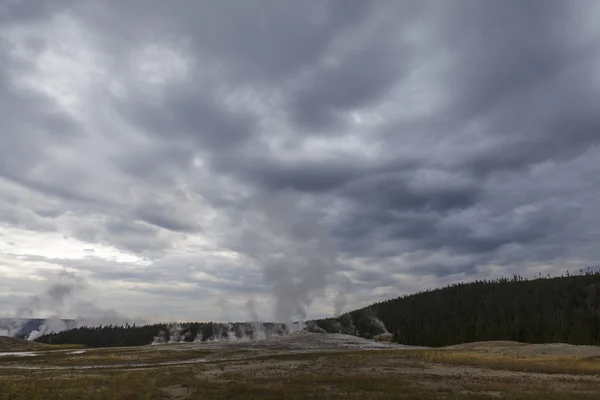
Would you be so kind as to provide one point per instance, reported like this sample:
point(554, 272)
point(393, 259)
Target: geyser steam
point(67, 295)
point(297, 257)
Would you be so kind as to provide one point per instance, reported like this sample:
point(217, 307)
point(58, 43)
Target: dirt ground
point(316, 366)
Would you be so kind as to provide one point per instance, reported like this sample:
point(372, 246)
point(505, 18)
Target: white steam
point(379, 324)
point(297, 257)
point(223, 332)
point(250, 307)
point(67, 296)
point(339, 303)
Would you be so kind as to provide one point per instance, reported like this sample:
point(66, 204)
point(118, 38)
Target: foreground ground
point(311, 366)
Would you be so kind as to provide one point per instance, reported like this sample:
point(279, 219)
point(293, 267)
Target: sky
point(221, 160)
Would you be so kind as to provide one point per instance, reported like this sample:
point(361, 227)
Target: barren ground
point(298, 366)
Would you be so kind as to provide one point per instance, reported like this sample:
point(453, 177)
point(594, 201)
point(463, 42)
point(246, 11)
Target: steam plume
point(297, 257)
point(250, 307)
point(339, 303)
point(67, 295)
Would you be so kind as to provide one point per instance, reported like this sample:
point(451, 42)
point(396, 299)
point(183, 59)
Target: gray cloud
point(160, 219)
point(429, 142)
point(349, 84)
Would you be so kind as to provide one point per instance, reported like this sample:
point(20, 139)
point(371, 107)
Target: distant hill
point(544, 310)
point(12, 344)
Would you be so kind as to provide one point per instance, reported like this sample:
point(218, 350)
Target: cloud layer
point(185, 156)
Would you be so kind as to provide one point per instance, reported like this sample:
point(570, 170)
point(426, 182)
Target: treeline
point(543, 310)
point(132, 335)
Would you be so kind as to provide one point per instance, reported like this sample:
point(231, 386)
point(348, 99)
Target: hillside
point(544, 310)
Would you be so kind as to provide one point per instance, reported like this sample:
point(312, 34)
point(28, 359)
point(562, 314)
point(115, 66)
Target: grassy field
point(141, 373)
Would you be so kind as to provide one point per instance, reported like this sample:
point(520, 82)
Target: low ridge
point(13, 344)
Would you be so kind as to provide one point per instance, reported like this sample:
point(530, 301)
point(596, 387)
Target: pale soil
point(17, 354)
point(293, 342)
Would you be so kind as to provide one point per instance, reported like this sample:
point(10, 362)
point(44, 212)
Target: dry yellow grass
point(551, 364)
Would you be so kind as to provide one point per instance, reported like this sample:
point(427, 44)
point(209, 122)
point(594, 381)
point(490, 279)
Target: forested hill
point(543, 310)
point(564, 309)
point(132, 335)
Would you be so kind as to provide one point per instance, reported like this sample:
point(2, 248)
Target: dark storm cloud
point(393, 191)
point(362, 77)
point(510, 47)
point(261, 41)
point(32, 124)
point(474, 230)
point(128, 234)
point(192, 116)
point(274, 175)
point(433, 141)
point(269, 39)
point(23, 139)
point(164, 220)
point(524, 73)
point(24, 11)
point(156, 161)
point(338, 172)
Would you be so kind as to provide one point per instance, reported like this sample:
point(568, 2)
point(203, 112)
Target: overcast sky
point(193, 160)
